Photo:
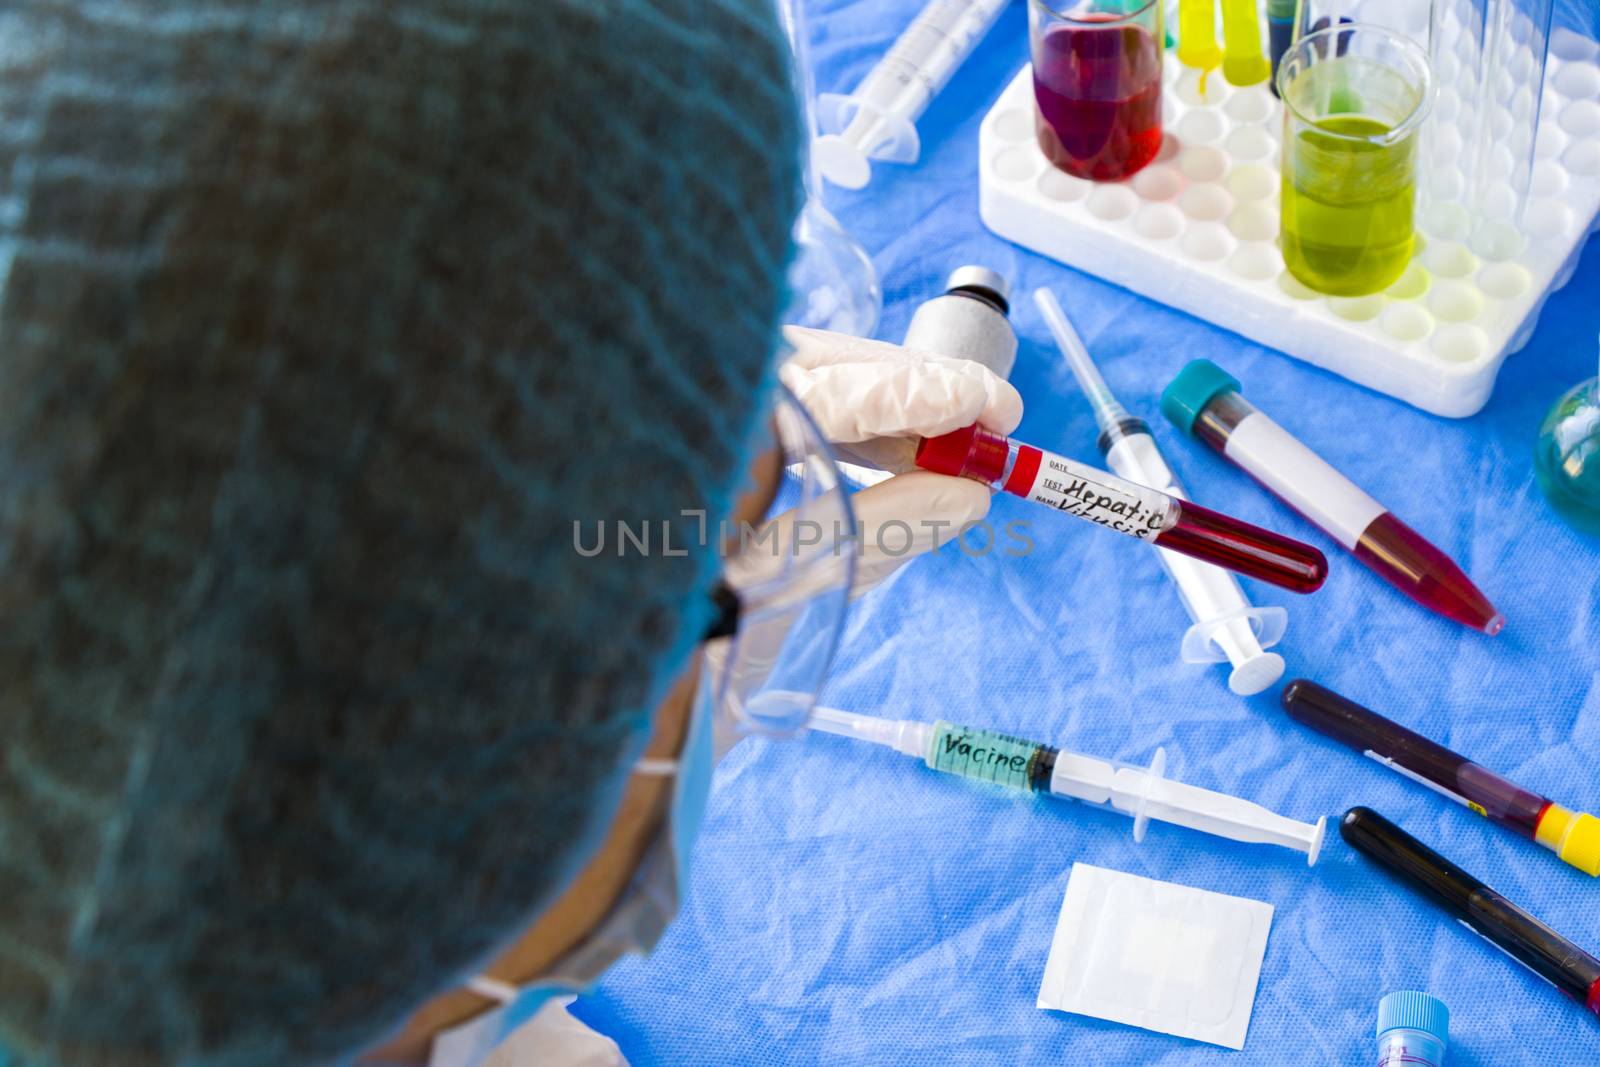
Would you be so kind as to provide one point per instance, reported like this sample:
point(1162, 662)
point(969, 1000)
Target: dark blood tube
point(1574, 836)
point(1481, 909)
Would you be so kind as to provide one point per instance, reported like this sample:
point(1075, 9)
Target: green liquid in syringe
point(1014, 762)
point(1347, 206)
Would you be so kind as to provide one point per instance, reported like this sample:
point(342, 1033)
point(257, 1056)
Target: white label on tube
point(1302, 478)
point(1097, 496)
point(1507, 952)
point(1426, 782)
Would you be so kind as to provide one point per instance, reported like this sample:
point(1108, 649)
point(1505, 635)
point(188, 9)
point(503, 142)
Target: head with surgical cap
point(321, 324)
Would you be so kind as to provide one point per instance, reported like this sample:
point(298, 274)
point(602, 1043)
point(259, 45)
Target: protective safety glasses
point(785, 587)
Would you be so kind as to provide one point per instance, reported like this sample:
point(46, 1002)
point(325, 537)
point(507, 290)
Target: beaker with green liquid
point(1354, 100)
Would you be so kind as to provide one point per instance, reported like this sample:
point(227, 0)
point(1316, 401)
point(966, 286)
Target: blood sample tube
point(1572, 835)
point(1476, 906)
point(1204, 400)
point(1135, 510)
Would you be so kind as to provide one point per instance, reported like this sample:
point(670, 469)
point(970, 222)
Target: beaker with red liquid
point(1097, 84)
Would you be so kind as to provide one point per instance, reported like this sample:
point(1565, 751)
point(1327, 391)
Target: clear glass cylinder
point(833, 284)
point(1097, 84)
point(1410, 17)
point(1489, 61)
point(1355, 98)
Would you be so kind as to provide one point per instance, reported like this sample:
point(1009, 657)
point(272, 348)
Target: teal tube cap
point(1187, 395)
point(1411, 1010)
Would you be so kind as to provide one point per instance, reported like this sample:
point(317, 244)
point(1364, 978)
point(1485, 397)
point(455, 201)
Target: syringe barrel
point(1145, 793)
point(987, 756)
point(1224, 621)
point(1130, 450)
point(1139, 792)
point(927, 53)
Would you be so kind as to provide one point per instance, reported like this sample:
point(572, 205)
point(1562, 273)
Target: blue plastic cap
point(1187, 395)
point(1411, 1010)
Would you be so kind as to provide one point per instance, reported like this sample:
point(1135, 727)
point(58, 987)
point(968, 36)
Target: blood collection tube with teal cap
point(1135, 510)
point(1204, 400)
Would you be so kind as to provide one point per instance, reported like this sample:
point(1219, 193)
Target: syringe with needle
point(1227, 627)
point(1144, 793)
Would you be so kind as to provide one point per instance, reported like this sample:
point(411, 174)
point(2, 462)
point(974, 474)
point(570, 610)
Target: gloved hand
point(873, 400)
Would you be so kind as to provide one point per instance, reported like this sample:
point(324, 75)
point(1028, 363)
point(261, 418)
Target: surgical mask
point(633, 925)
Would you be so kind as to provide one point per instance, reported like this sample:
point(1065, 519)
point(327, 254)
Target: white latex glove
point(873, 400)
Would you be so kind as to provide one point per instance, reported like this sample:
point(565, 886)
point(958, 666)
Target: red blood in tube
point(1098, 90)
point(1245, 549)
point(1025, 472)
point(1425, 574)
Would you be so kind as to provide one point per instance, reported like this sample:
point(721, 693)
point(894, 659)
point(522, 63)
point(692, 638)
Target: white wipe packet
point(1156, 955)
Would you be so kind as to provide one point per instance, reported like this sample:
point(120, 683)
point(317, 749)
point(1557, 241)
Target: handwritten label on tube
point(1101, 498)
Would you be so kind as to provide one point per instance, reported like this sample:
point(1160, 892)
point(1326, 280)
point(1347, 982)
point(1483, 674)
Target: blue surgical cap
point(321, 324)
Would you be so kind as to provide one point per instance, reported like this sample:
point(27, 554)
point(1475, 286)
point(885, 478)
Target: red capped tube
point(1135, 510)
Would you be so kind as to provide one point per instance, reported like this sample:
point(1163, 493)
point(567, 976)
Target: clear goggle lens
point(792, 575)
